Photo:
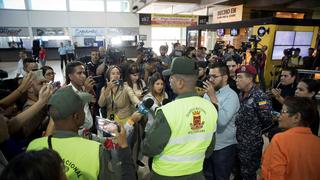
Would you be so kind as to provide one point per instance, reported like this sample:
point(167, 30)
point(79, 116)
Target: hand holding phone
point(109, 127)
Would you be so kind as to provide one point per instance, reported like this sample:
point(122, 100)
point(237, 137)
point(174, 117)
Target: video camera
point(218, 49)
point(114, 56)
point(148, 54)
point(289, 52)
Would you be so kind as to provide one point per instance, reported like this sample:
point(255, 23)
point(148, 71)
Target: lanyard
point(113, 96)
point(50, 141)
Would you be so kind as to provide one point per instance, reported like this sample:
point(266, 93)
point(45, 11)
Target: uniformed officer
point(253, 117)
point(183, 131)
point(83, 159)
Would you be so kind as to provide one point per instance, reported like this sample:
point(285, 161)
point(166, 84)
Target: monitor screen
point(234, 32)
point(220, 32)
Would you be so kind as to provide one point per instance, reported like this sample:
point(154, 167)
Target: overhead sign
point(203, 20)
point(229, 14)
point(44, 31)
point(173, 20)
point(144, 19)
point(14, 31)
point(88, 31)
point(122, 31)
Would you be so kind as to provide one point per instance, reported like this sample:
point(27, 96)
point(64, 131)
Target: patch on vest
point(196, 123)
point(70, 165)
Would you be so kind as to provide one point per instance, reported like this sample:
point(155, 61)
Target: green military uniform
point(181, 158)
point(76, 162)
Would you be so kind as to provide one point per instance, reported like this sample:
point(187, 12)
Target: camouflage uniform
point(253, 116)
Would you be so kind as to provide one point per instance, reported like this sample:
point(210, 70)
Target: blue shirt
point(228, 106)
point(70, 49)
point(62, 50)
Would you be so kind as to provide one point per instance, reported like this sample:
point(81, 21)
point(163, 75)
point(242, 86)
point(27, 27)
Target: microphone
point(165, 101)
point(145, 106)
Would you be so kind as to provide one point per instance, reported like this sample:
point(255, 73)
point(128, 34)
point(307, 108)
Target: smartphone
point(108, 127)
point(200, 84)
point(56, 85)
point(118, 82)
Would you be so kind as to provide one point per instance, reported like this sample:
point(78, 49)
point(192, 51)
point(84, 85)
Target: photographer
point(117, 98)
point(164, 58)
point(95, 67)
point(296, 60)
point(176, 51)
point(201, 54)
point(285, 59)
point(134, 81)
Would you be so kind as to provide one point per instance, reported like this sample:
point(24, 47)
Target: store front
point(278, 34)
point(13, 40)
point(50, 38)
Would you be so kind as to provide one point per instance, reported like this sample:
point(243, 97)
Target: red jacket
point(42, 54)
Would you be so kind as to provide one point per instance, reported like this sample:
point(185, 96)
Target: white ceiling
point(179, 8)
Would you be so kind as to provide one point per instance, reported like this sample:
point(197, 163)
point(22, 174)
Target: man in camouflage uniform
point(253, 116)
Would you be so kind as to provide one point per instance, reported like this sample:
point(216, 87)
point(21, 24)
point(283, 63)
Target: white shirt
point(20, 70)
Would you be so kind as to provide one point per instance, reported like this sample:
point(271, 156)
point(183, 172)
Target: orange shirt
point(293, 155)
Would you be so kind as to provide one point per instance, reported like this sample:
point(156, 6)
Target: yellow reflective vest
point(192, 121)
point(80, 156)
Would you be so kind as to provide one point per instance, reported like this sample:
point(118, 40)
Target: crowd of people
point(206, 120)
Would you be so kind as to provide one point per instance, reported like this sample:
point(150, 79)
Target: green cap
point(66, 102)
point(182, 65)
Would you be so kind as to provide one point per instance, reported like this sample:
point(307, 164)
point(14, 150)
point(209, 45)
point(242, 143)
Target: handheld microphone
point(145, 106)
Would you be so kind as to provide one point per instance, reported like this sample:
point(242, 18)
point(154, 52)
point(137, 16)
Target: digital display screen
point(220, 32)
point(234, 32)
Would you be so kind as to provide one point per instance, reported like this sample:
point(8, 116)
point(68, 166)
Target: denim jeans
point(219, 165)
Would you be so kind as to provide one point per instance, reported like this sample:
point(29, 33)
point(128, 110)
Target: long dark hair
point(132, 69)
point(155, 77)
point(45, 164)
point(312, 86)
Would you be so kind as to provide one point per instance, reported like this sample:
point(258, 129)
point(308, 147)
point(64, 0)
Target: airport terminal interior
point(159, 89)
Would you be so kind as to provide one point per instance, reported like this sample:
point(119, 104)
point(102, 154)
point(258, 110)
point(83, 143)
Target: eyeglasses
point(212, 77)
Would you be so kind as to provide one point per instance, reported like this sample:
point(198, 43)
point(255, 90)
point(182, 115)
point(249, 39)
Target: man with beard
point(252, 118)
point(201, 54)
point(219, 164)
point(164, 58)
